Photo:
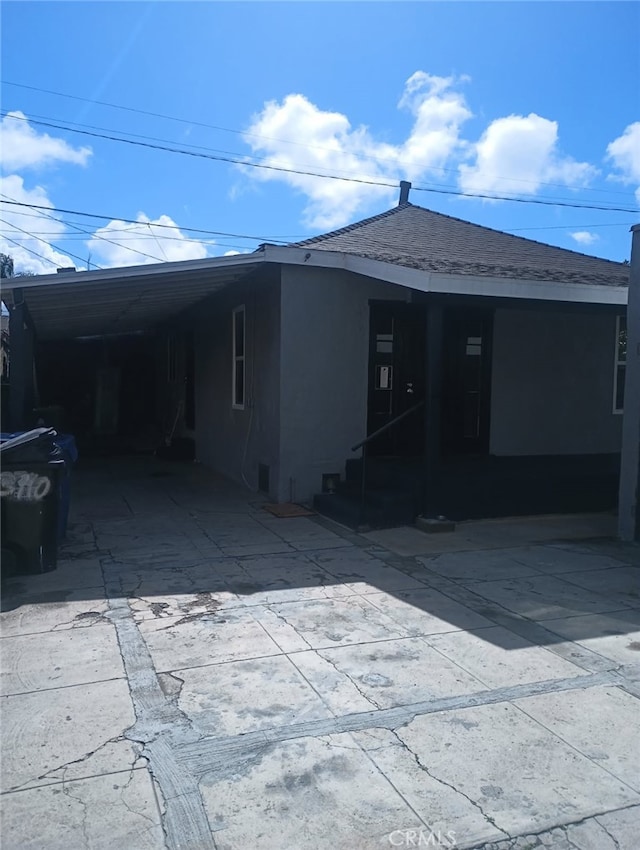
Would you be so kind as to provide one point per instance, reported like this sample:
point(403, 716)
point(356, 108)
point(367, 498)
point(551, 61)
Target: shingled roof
point(421, 239)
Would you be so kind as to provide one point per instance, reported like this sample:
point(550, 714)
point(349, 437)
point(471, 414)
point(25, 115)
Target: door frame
point(417, 311)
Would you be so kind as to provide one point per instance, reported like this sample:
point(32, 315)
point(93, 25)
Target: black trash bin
point(32, 468)
point(69, 454)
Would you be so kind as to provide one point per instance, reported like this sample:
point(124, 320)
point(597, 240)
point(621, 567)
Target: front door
point(466, 381)
point(396, 377)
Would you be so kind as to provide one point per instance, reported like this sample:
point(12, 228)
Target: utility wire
point(232, 159)
point(40, 239)
point(141, 223)
point(256, 161)
point(153, 114)
point(359, 180)
point(573, 226)
point(269, 239)
point(35, 253)
point(538, 201)
point(244, 133)
point(90, 234)
point(134, 237)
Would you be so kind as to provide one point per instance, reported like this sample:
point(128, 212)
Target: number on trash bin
point(24, 486)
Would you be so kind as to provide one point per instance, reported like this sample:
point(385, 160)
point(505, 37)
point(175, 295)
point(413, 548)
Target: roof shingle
point(421, 239)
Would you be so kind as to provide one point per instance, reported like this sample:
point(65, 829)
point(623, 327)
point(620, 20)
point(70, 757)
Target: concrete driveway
point(198, 673)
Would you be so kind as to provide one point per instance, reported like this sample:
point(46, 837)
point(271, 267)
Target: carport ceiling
point(115, 301)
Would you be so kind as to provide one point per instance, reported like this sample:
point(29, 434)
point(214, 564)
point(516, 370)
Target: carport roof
point(122, 300)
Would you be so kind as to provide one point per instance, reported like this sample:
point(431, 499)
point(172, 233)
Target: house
point(493, 364)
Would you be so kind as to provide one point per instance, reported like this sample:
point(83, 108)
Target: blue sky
point(538, 101)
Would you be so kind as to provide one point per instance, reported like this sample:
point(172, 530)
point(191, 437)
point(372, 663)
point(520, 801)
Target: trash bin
point(30, 486)
point(67, 445)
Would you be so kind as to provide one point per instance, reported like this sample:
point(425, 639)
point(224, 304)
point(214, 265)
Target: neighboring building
point(502, 351)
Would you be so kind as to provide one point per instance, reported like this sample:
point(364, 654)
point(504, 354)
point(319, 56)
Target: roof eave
point(442, 283)
point(132, 272)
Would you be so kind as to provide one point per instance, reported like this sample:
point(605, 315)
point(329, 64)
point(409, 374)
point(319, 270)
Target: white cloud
point(624, 152)
point(24, 147)
point(584, 237)
point(517, 154)
point(325, 142)
point(15, 220)
point(143, 243)
point(231, 253)
point(129, 244)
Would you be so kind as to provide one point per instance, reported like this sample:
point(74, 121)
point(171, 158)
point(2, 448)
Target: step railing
point(365, 442)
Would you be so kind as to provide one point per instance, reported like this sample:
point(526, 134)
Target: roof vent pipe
point(405, 188)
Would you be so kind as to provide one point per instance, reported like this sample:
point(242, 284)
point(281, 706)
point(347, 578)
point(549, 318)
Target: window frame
point(238, 360)
point(617, 363)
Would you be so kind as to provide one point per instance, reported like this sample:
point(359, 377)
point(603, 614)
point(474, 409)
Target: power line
point(130, 234)
point(272, 240)
point(232, 159)
point(359, 180)
point(243, 134)
point(539, 201)
point(573, 226)
point(34, 118)
point(155, 224)
point(90, 234)
point(146, 112)
point(241, 159)
point(40, 239)
point(24, 248)
point(132, 237)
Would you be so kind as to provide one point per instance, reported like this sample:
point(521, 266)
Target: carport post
point(21, 364)
point(629, 502)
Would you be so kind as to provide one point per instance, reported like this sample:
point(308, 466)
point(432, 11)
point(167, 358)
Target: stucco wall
point(324, 357)
point(233, 441)
point(552, 383)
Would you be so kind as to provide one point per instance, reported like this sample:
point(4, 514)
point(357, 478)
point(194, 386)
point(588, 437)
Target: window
point(237, 386)
point(620, 364)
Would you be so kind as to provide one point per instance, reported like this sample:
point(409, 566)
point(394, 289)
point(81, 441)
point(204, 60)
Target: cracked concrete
point(200, 674)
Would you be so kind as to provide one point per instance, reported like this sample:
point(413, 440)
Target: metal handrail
point(387, 426)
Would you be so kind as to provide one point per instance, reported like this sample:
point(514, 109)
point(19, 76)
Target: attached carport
point(67, 327)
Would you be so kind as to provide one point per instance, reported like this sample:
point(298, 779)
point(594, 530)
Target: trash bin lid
point(26, 437)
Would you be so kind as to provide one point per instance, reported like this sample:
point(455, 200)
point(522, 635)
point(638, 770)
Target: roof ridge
point(350, 227)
